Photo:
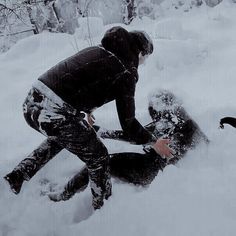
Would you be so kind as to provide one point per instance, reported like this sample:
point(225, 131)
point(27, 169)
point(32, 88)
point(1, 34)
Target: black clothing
point(140, 169)
point(98, 75)
point(228, 120)
point(66, 128)
point(135, 168)
point(169, 120)
point(81, 83)
point(143, 42)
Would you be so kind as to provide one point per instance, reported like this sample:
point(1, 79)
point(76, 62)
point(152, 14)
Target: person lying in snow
point(56, 104)
point(169, 120)
point(228, 120)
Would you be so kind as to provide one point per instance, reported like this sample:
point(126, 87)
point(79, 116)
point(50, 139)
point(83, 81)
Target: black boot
point(15, 180)
point(28, 167)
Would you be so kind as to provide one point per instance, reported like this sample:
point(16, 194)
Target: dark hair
point(142, 41)
point(117, 40)
point(127, 45)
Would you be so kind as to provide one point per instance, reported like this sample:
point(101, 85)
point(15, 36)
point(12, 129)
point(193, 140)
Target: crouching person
point(65, 128)
point(56, 104)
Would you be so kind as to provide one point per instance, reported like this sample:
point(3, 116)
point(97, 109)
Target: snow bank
point(194, 57)
point(89, 27)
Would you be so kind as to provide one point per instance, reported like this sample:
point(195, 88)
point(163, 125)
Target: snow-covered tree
point(20, 18)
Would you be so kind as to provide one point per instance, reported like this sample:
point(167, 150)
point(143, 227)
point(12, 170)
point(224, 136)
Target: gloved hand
point(161, 146)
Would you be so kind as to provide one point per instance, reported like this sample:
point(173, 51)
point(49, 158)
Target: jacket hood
point(120, 42)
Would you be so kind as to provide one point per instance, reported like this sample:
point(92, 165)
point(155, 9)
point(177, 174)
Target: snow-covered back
point(194, 57)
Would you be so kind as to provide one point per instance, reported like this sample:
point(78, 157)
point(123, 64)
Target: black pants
point(65, 128)
point(134, 168)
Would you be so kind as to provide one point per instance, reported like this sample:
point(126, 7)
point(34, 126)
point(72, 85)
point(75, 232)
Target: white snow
point(194, 57)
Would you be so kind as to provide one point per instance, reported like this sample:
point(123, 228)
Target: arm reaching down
point(125, 104)
point(118, 134)
point(133, 130)
point(228, 120)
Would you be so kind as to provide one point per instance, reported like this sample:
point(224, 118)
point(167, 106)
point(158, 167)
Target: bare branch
point(11, 11)
point(23, 31)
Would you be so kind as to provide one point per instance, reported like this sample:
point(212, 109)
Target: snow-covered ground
point(194, 57)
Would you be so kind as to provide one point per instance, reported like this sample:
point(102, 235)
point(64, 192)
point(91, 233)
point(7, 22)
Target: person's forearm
point(118, 134)
point(111, 134)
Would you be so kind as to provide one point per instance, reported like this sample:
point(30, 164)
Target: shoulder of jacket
point(126, 81)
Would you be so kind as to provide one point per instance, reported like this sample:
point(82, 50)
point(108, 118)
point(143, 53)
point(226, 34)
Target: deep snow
point(194, 57)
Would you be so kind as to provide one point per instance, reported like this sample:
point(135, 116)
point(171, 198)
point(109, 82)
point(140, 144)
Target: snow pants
point(65, 128)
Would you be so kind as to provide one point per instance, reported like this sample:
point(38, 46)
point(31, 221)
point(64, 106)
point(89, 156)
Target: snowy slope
point(194, 57)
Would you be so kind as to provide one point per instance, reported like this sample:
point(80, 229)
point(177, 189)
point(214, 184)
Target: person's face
point(142, 59)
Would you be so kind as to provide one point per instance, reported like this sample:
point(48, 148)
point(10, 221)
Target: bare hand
point(162, 148)
point(90, 119)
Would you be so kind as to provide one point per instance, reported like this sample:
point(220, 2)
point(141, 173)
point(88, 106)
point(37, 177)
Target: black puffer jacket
point(98, 75)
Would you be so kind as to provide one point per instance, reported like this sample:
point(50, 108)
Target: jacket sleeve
point(228, 120)
point(125, 104)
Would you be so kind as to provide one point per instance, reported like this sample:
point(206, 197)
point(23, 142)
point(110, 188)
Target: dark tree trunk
point(129, 11)
point(32, 20)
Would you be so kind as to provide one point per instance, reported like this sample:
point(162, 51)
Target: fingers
point(166, 141)
point(162, 148)
point(167, 152)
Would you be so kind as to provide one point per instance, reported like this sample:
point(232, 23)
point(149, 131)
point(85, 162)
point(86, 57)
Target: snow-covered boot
point(76, 184)
point(63, 196)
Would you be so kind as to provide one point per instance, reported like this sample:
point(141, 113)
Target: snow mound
point(169, 29)
point(197, 197)
point(89, 27)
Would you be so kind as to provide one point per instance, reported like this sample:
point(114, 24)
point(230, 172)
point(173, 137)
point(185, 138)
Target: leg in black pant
point(66, 128)
point(79, 138)
point(135, 168)
point(27, 168)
